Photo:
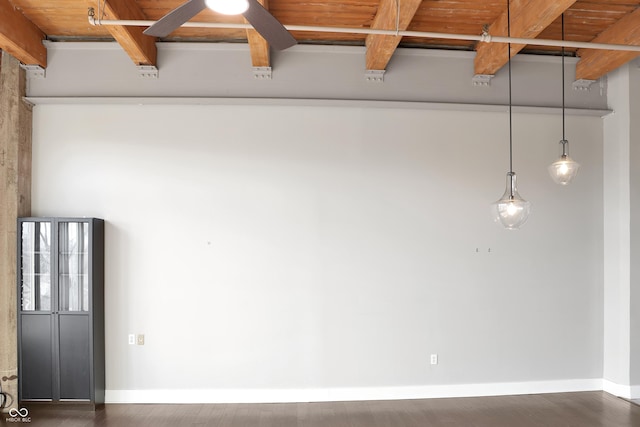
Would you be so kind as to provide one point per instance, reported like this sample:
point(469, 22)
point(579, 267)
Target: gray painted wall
point(305, 72)
point(634, 160)
point(310, 247)
point(617, 232)
point(621, 203)
point(330, 247)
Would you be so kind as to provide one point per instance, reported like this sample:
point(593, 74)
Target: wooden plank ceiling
point(25, 23)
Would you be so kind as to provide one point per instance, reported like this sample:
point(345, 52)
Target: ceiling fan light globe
point(228, 7)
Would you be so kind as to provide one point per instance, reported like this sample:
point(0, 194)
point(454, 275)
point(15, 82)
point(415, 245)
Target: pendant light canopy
point(511, 210)
point(564, 169)
point(228, 7)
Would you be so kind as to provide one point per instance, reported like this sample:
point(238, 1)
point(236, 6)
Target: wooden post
point(15, 201)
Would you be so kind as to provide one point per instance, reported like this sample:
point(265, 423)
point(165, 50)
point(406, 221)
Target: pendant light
point(512, 211)
point(564, 169)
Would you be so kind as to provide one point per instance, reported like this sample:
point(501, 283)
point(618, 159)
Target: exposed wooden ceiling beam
point(528, 19)
point(594, 63)
point(20, 37)
point(258, 45)
point(380, 48)
point(140, 48)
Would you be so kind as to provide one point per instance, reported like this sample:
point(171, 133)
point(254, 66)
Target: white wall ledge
point(313, 103)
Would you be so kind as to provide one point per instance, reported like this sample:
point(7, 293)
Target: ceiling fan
point(259, 17)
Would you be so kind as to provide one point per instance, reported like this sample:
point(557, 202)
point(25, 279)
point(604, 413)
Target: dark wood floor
point(585, 409)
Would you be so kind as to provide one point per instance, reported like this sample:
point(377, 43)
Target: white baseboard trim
point(616, 389)
point(348, 394)
point(624, 391)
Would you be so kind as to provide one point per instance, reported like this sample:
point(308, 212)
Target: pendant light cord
point(564, 138)
point(510, 96)
point(563, 133)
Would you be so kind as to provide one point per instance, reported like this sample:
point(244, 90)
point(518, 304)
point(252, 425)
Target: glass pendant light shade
point(228, 7)
point(564, 169)
point(512, 211)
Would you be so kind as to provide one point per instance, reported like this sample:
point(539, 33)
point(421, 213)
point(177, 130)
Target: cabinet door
point(73, 302)
point(75, 375)
point(36, 368)
point(35, 266)
point(73, 266)
point(36, 332)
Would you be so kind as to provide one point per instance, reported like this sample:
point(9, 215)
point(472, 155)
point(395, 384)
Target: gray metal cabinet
point(61, 310)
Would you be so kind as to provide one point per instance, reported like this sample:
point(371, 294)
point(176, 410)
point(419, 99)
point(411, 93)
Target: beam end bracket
point(34, 71)
point(262, 73)
point(374, 76)
point(482, 80)
point(147, 71)
point(582, 84)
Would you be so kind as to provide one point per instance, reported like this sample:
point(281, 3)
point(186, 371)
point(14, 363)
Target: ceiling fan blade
point(268, 26)
point(175, 18)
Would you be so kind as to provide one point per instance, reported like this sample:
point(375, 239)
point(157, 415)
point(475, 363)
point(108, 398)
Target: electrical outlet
point(434, 359)
point(132, 339)
point(140, 339)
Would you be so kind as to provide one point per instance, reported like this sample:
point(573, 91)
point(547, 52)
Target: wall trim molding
point(413, 105)
point(620, 390)
point(349, 394)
